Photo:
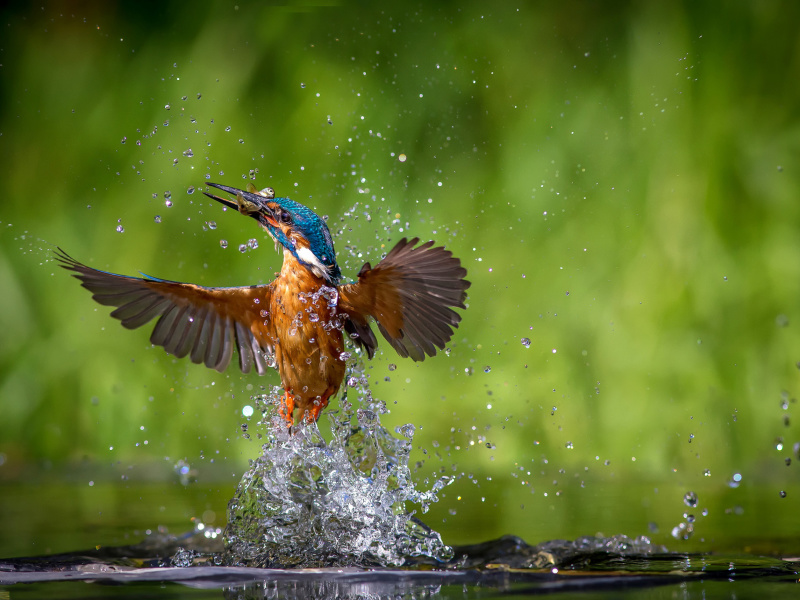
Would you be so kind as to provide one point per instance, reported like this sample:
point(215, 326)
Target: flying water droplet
point(120, 229)
point(157, 218)
point(223, 243)
point(690, 499)
point(526, 342)
point(408, 430)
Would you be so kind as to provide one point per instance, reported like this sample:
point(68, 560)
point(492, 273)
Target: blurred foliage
point(621, 183)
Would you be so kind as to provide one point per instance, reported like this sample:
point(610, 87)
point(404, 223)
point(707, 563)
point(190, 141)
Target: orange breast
point(306, 330)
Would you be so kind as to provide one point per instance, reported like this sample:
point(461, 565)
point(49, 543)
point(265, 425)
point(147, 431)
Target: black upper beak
point(247, 203)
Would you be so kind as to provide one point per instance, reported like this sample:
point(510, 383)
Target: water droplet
point(402, 158)
point(735, 480)
point(211, 224)
point(569, 446)
point(120, 229)
point(783, 494)
point(243, 248)
point(168, 203)
point(690, 499)
point(223, 243)
point(392, 366)
point(344, 356)
point(157, 218)
point(406, 430)
point(124, 139)
point(166, 107)
point(526, 342)
point(487, 369)
point(252, 243)
point(188, 153)
point(228, 128)
point(247, 411)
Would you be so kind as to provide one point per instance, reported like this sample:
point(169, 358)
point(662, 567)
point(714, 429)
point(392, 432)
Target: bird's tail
point(411, 294)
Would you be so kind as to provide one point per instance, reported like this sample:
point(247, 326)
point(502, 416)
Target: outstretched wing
point(201, 322)
point(411, 294)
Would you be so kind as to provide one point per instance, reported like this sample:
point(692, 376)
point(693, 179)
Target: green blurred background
point(620, 180)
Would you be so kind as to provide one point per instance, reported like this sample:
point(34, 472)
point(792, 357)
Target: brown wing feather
point(411, 294)
point(204, 323)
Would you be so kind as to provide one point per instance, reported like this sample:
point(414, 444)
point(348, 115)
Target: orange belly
point(305, 330)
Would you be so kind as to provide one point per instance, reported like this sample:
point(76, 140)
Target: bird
point(298, 323)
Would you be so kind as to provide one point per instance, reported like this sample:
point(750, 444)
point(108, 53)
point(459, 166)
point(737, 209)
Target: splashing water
point(308, 503)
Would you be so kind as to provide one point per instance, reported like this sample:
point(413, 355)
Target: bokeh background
point(620, 180)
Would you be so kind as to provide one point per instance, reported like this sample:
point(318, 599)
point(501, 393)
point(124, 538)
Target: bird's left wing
point(198, 321)
point(411, 294)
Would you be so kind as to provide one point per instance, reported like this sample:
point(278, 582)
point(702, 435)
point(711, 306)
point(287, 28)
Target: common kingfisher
point(295, 323)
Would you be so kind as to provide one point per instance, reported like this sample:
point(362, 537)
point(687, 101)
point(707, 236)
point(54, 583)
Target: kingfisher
point(298, 322)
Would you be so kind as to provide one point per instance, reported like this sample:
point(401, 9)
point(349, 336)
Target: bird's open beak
point(246, 202)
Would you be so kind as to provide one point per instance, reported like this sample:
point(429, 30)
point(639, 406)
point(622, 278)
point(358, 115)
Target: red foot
point(312, 414)
point(286, 409)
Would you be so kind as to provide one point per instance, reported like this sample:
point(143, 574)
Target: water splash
point(308, 503)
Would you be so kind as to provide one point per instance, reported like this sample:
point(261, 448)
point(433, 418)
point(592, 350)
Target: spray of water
point(308, 503)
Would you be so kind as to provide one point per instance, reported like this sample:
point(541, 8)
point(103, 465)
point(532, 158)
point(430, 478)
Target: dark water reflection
point(591, 567)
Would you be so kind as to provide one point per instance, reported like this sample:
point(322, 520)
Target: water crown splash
point(308, 503)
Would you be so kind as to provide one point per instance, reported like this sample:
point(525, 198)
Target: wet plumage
point(296, 323)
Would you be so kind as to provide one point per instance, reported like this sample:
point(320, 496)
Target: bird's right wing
point(204, 323)
point(411, 294)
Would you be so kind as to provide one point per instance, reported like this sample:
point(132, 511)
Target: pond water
point(587, 568)
point(341, 519)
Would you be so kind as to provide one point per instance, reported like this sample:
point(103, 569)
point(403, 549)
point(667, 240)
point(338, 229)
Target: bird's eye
point(285, 217)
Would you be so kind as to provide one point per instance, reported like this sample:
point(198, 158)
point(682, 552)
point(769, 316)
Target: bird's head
point(296, 227)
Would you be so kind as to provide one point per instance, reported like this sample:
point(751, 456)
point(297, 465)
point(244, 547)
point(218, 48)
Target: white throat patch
point(314, 264)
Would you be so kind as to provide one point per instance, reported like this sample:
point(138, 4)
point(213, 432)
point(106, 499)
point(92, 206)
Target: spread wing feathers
point(204, 323)
point(411, 294)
